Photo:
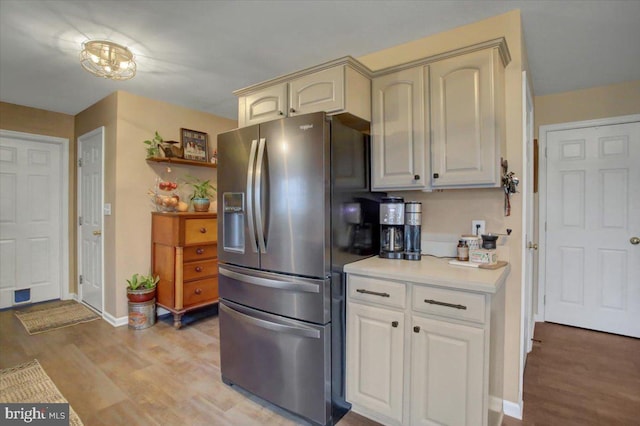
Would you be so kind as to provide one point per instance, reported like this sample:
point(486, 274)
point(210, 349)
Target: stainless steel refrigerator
point(294, 207)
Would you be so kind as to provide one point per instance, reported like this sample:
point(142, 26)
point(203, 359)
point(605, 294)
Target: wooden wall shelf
point(181, 161)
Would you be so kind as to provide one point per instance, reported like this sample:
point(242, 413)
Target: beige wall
point(452, 211)
point(138, 119)
point(19, 118)
point(588, 104)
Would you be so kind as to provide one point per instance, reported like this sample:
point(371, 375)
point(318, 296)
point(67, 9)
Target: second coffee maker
point(392, 227)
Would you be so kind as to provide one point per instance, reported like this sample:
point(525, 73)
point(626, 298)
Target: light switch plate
point(107, 209)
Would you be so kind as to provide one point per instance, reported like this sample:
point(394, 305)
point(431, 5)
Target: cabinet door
point(447, 365)
point(375, 339)
point(465, 97)
point(319, 91)
point(399, 150)
point(267, 104)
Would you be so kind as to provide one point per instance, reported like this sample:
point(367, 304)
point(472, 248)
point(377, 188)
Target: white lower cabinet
point(376, 344)
point(447, 363)
point(436, 360)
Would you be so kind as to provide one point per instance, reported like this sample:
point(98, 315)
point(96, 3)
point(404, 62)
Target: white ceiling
point(195, 53)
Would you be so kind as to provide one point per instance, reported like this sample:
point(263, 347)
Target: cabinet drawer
point(201, 291)
point(449, 303)
point(198, 231)
point(387, 293)
point(204, 251)
point(197, 270)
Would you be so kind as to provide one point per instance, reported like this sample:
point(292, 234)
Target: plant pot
point(201, 204)
point(141, 295)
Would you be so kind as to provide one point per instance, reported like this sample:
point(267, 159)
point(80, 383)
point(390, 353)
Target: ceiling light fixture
point(107, 59)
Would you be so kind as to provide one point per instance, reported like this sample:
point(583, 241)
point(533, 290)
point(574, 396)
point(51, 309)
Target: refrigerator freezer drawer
point(283, 361)
point(294, 297)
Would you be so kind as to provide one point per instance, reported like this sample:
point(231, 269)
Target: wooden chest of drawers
point(184, 253)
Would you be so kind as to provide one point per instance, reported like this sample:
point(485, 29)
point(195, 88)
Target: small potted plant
point(142, 288)
point(153, 145)
point(202, 193)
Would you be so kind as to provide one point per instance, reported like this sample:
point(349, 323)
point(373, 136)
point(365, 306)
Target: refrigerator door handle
point(258, 199)
point(266, 282)
point(252, 231)
point(273, 326)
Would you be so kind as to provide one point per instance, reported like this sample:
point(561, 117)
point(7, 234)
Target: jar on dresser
point(184, 253)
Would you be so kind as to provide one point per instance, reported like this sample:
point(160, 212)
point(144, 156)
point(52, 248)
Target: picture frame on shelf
point(194, 145)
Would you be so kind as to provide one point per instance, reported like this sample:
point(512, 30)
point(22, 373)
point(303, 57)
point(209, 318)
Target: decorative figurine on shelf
point(214, 157)
point(171, 150)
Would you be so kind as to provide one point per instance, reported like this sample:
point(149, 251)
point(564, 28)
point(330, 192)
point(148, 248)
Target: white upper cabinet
point(335, 87)
point(264, 105)
point(399, 142)
point(467, 128)
point(439, 122)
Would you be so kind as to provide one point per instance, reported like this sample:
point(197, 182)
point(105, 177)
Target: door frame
point(542, 187)
point(100, 130)
point(526, 329)
point(64, 208)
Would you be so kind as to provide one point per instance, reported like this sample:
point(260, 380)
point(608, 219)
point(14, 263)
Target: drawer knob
point(394, 324)
point(203, 230)
point(416, 329)
point(292, 110)
point(198, 291)
point(199, 250)
point(416, 177)
point(375, 293)
point(448, 305)
point(198, 268)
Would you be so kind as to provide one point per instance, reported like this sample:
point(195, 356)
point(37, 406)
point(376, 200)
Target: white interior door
point(31, 218)
point(90, 203)
point(593, 214)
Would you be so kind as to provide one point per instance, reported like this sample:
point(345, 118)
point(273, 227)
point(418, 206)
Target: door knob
point(635, 240)
point(532, 246)
point(100, 233)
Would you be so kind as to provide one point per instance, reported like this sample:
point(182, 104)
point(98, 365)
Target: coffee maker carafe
point(392, 227)
point(412, 229)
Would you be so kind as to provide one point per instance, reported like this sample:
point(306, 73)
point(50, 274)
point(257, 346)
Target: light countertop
point(432, 270)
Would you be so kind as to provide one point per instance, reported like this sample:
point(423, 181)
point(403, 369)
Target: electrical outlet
point(478, 227)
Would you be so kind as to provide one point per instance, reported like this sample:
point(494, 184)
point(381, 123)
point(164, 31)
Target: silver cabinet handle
point(449, 305)
point(635, 240)
point(375, 293)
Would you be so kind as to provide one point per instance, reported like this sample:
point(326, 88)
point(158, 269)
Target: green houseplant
point(142, 288)
point(202, 193)
point(153, 145)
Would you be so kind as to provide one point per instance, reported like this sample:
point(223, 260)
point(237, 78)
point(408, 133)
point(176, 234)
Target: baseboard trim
point(513, 409)
point(116, 322)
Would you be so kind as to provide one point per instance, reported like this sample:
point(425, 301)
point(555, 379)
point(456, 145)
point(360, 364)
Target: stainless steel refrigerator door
point(237, 151)
point(284, 361)
point(295, 297)
point(294, 170)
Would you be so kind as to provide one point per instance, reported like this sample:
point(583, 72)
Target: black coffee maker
point(412, 230)
point(392, 227)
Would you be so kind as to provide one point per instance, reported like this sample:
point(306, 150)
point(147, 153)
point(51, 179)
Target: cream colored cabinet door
point(467, 120)
point(447, 366)
point(374, 347)
point(319, 91)
point(399, 142)
point(264, 105)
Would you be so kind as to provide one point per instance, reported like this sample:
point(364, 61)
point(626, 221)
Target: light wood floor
point(160, 376)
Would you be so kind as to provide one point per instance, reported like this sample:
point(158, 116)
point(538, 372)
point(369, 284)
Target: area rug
point(54, 315)
point(29, 383)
